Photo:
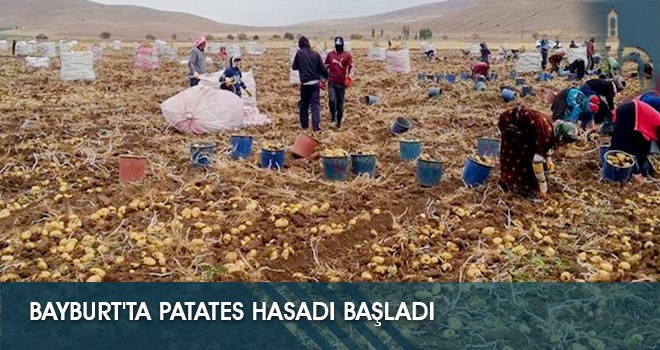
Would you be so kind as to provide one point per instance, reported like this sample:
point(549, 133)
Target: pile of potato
point(487, 161)
point(271, 146)
point(620, 160)
point(334, 153)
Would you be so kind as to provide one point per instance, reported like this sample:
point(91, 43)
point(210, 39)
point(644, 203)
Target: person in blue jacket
point(231, 78)
point(572, 105)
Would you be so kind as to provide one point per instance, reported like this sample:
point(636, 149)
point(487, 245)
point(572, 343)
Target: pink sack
point(146, 58)
point(202, 110)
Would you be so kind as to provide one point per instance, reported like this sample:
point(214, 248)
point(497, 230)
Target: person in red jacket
point(590, 54)
point(340, 65)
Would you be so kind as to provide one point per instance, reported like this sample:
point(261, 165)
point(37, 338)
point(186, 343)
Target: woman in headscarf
point(197, 61)
point(555, 60)
point(636, 125)
point(528, 137)
point(572, 105)
point(480, 69)
point(606, 89)
point(232, 78)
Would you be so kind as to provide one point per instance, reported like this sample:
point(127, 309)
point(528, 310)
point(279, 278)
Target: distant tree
point(42, 36)
point(230, 37)
point(256, 37)
point(209, 37)
point(105, 35)
point(288, 36)
point(381, 32)
point(356, 36)
point(174, 37)
point(277, 36)
point(373, 33)
point(242, 36)
point(150, 37)
point(425, 33)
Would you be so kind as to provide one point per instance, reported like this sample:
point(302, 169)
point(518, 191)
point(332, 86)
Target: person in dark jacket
point(231, 78)
point(636, 125)
point(312, 70)
point(573, 45)
point(590, 54)
point(13, 48)
point(339, 64)
point(485, 53)
point(606, 89)
point(545, 47)
point(578, 67)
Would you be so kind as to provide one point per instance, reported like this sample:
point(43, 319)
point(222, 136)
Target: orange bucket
point(132, 168)
point(304, 146)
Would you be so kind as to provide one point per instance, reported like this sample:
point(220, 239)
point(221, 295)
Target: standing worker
point(528, 137)
point(312, 70)
point(636, 125)
point(590, 54)
point(485, 52)
point(197, 61)
point(13, 47)
point(340, 65)
point(545, 47)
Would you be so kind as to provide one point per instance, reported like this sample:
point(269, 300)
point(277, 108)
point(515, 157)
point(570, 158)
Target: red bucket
point(304, 146)
point(132, 168)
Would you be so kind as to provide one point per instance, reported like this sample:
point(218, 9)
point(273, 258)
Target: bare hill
point(61, 18)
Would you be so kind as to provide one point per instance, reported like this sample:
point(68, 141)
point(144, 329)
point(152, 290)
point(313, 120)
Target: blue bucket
point(201, 153)
point(465, 76)
point(363, 164)
point(520, 81)
point(601, 154)
point(371, 100)
point(527, 91)
point(513, 74)
point(480, 86)
point(571, 77)
point(272, 159)
point(451, 78)
point(474, 173)
point(241, 146)
point(488, 147)
point(409, 149)
point(429, 173)
point(401, 125)
point(435, 92)
point(335, 168)
point(615, 173)
point(545, 76)
point(508, 95)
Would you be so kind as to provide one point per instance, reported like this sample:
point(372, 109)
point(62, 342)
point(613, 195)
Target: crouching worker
point(636, 125)
point(480, 69)
point(528, 138)
point(555, 60)
point(572, 105)
point(231, 79)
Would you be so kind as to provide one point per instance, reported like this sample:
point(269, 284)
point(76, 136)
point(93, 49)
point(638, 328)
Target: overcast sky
point(273, 12)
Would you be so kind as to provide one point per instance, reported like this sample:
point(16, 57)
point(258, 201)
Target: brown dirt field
point(68, 216)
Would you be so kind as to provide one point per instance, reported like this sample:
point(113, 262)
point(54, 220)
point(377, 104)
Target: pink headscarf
point(200, 41)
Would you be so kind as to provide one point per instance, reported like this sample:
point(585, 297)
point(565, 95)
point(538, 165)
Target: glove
point(227, 81)
point(549, 165)
point(540, 175)
point(348, 82)
point(197, 76)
